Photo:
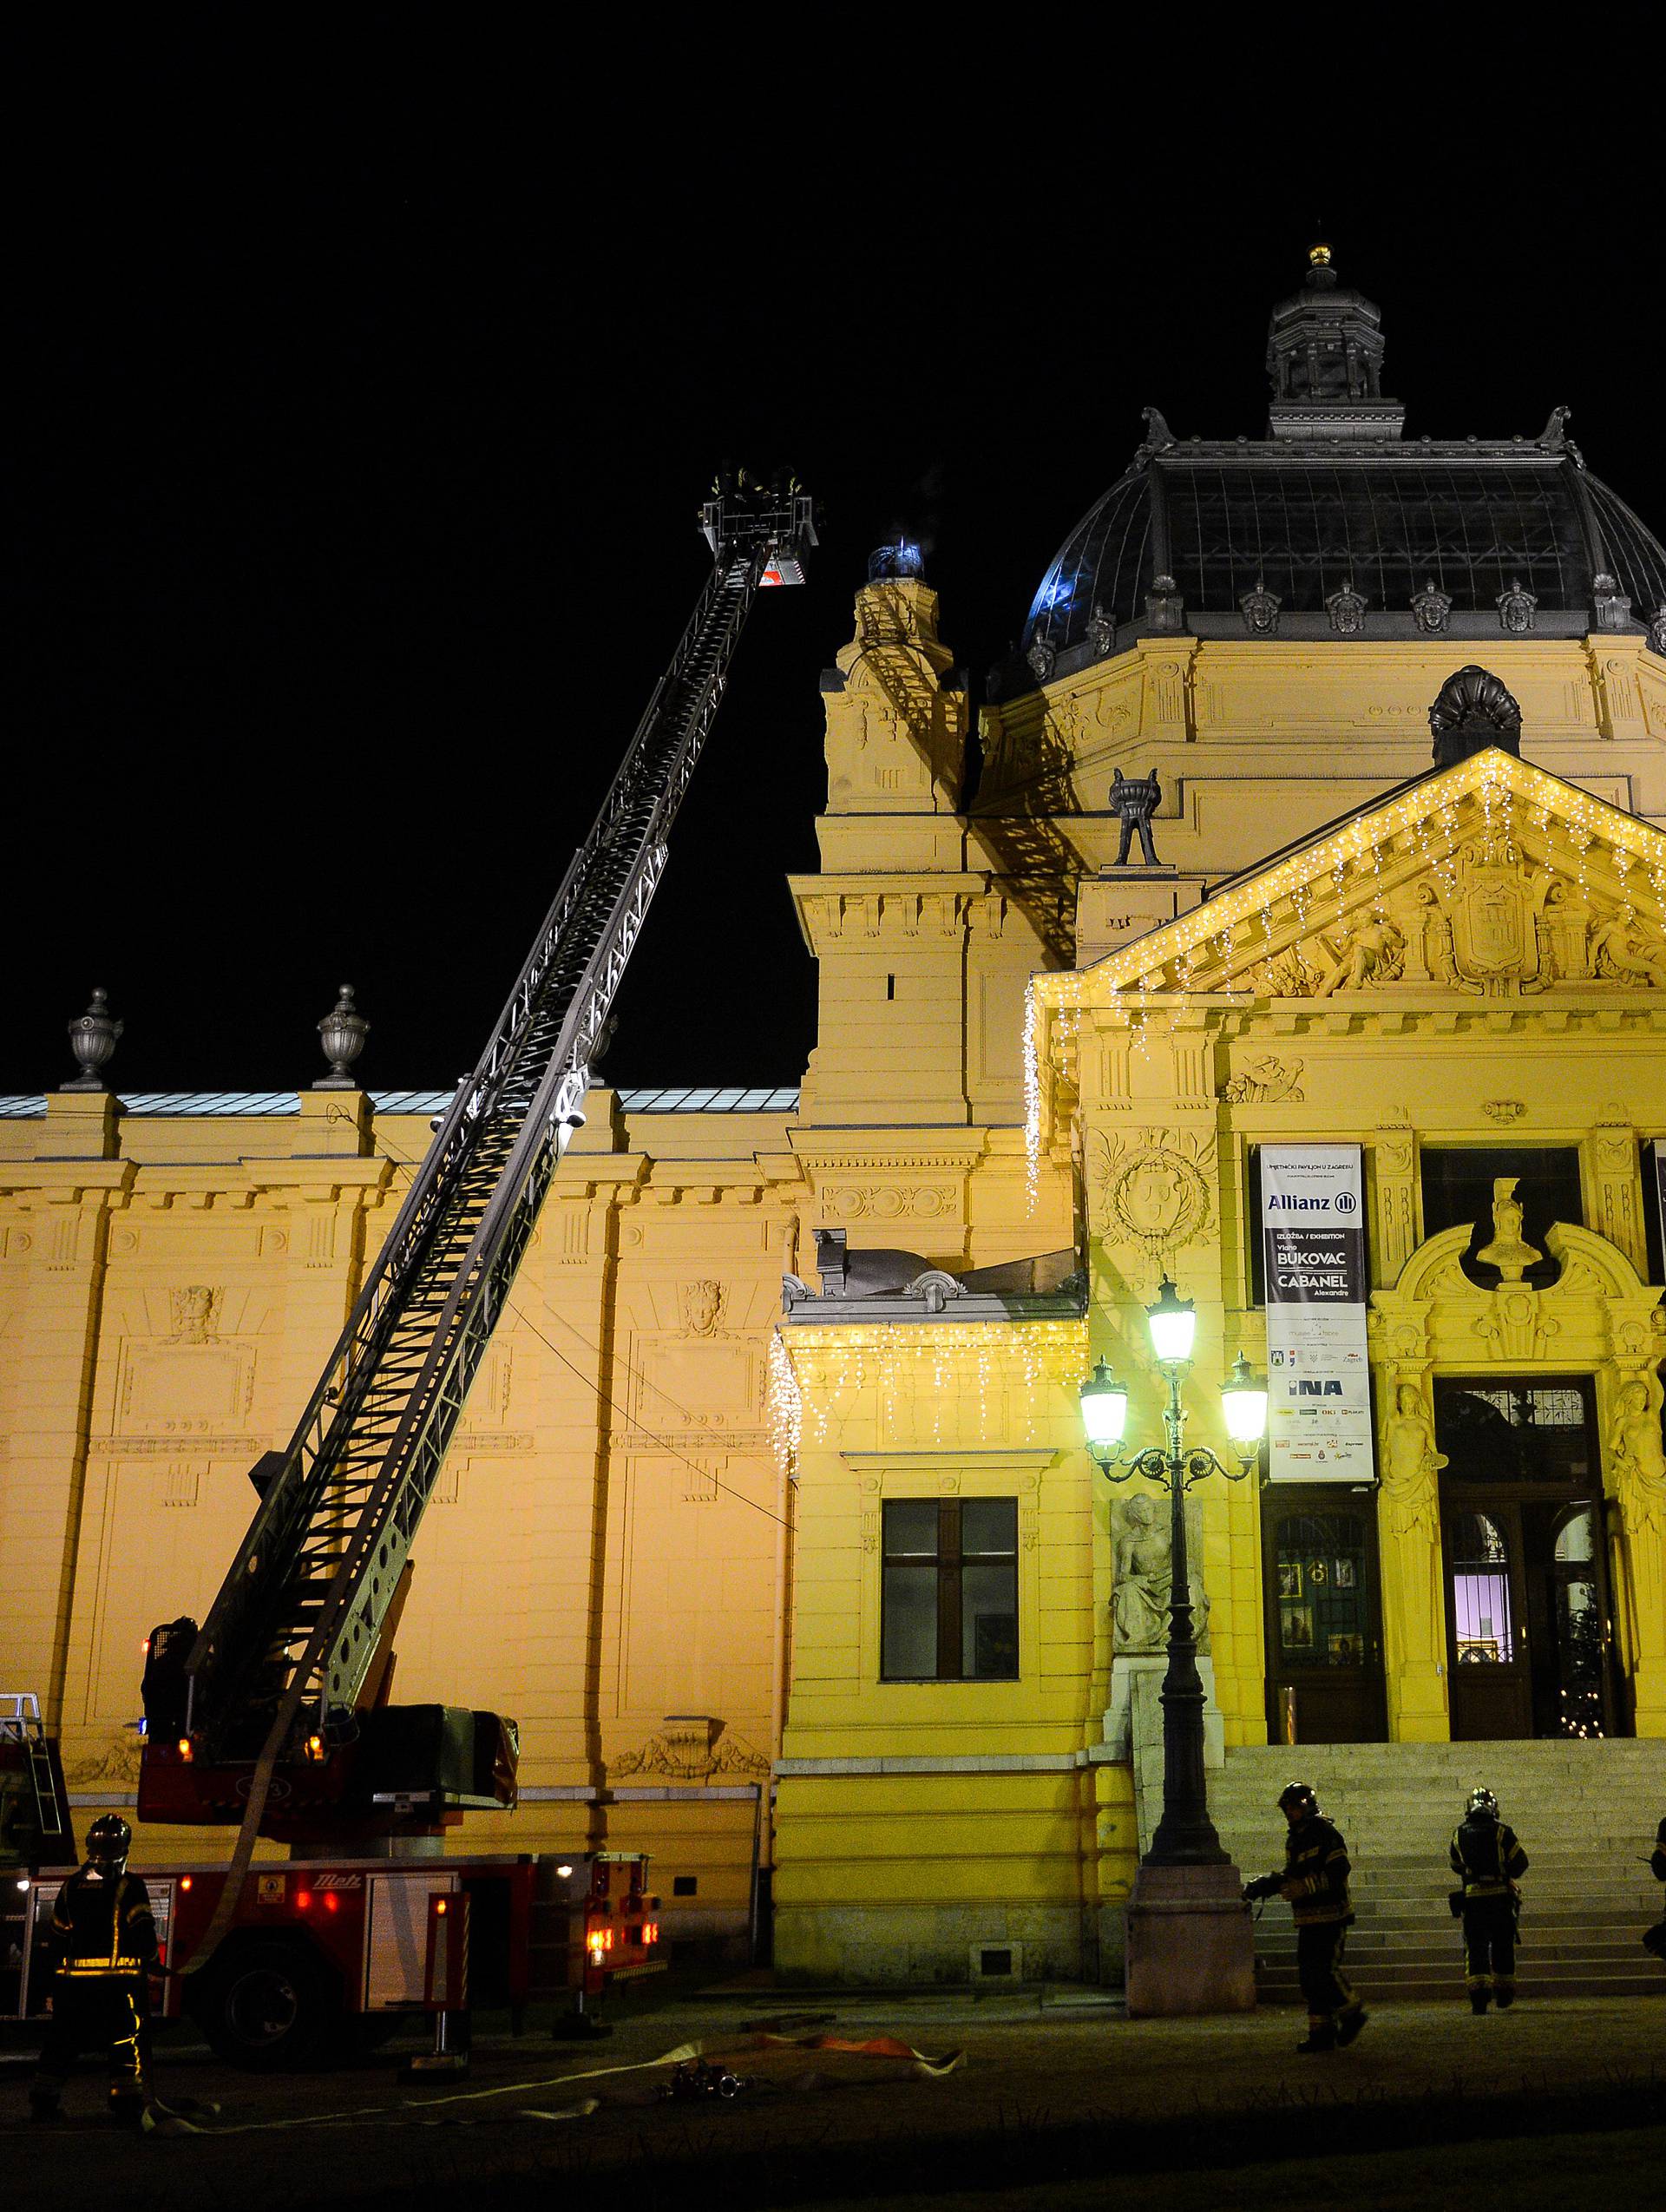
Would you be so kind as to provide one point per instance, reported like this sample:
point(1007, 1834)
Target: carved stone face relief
point(702, 1307)
point(1432, 611)
point(1260, 610)
point(1347, 611)
point(195, 1312)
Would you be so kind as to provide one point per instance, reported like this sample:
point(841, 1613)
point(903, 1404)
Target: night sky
point(355, 446)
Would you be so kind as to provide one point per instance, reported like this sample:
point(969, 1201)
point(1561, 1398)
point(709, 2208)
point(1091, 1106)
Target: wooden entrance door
point(1528, 1611)
point(1324, 1614)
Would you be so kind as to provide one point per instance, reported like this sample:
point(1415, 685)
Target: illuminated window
point(1482, 1627)
point(948, 1605)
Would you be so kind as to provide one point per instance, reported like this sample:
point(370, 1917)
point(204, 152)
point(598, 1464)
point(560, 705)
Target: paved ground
point(1059, 2104)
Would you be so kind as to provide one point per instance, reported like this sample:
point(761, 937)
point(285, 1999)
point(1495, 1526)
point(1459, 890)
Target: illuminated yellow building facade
point(817, 1593)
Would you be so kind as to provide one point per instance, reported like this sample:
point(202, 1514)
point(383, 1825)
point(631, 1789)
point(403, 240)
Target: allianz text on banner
point(1318, 1376)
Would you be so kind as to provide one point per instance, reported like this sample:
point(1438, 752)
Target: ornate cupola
point(1324, 355)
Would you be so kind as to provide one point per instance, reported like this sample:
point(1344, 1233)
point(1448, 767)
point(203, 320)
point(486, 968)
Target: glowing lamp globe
point(1173, 1324)
point(1105, 1408)
point(1244, 1402)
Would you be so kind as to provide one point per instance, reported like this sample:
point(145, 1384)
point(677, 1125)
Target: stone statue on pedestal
point(1133, 802)
point(1139, 1603)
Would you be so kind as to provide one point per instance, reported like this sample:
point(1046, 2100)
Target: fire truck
point(274, 1716)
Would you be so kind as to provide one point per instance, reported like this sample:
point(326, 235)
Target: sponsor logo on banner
point(1319, 1378)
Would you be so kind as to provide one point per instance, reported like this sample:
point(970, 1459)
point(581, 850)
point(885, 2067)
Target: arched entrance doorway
point(1522, 1516)
point(1529, 1615)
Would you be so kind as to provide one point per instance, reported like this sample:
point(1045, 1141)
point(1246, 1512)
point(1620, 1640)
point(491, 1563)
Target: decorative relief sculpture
point(1410, 1464)
point(1286, 975)
point(1503, 1111)
point(1043, 659)
point(890, 1201)
point(1144, 1567)
point(1347, 611)
point(195, 1312)
point(691, 1747)
point(1265, 1081)
point(1657, 628)
point(702, 1303)
point(1491, 915)
point(1154, 1196)
point(1430, 933)
point(1624, 950)
point(1260, 608)
point(1516, 609)
point(1101, 631)
point(1432, 611)
point(116, 1761)
point(1371, 951)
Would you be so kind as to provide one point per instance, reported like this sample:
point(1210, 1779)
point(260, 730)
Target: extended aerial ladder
point(274, 1716)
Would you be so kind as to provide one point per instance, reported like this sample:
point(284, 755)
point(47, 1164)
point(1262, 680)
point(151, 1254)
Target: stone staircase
point(1586, 1813)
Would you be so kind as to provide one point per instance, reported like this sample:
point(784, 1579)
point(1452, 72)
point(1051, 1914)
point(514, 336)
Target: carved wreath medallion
point(1156, 1197)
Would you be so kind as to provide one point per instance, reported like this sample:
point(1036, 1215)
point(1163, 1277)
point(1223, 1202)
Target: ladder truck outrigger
point(274, 1715)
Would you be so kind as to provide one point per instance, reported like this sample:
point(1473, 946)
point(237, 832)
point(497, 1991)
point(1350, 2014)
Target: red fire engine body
point(320, 1954)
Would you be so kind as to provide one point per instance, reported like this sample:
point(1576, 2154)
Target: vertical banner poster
point(1658, 1148)
point(1318, 1375)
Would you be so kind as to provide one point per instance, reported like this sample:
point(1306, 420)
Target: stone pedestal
point(1120, 903)
point(1133, 1728)
point(1190, 1942)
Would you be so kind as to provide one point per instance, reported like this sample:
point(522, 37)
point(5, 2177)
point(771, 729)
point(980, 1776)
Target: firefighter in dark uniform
point(1487, 1856)
point(102, 1948)
point(1314, 1882)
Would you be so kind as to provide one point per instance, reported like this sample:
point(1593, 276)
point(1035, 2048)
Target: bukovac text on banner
point(1319, 1378)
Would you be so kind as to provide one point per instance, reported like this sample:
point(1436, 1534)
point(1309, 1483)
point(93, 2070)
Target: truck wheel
point(269, 2006)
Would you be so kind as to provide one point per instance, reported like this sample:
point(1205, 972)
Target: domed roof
point(1335, 524)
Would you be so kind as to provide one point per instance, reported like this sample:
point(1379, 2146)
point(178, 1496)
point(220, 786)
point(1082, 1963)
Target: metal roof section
point(731, 1098)
point(1339, 526)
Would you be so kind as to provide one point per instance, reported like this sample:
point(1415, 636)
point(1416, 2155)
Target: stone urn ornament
point(92, 1039)
point(341, 1033)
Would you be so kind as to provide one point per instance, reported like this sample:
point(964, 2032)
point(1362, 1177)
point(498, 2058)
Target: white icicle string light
point(785, 1409)
point(1033, 1016)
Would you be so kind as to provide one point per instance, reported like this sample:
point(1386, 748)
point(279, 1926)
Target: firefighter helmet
point(109, 1841)
point(1299, 1794)
point(1481, 1800)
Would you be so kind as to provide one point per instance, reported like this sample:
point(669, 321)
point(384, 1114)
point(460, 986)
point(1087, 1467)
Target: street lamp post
point(1186, 1837)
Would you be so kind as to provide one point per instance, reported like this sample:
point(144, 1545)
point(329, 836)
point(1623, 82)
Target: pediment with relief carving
point(1492, 879)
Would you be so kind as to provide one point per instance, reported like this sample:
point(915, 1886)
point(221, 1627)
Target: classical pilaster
point(63, 1201)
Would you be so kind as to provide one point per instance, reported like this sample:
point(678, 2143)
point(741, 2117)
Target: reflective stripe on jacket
point(101, 1928)
point(1315, 1865)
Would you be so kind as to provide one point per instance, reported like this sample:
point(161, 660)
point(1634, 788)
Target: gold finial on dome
point(1319, 256)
